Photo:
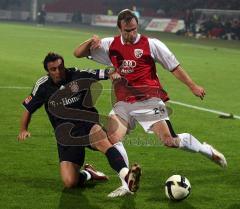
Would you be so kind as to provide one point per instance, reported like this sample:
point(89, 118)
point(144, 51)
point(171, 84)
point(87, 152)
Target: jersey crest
point(74, 87)
point(138, 53)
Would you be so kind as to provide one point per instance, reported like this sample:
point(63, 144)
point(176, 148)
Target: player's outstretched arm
point(25, 120)
point(182, 75)
point(83, 50)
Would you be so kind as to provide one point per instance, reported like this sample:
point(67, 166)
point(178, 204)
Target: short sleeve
point(162, 55)
point(101, 54)
point(37, 97)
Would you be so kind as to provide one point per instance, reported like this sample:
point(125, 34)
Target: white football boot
point(217, 156)
point(120, 191)
point(131, 183)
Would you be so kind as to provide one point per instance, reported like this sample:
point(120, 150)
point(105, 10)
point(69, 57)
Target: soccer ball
point(177, 187)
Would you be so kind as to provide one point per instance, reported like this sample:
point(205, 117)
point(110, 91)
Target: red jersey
point(138, 70)
point(137, 67)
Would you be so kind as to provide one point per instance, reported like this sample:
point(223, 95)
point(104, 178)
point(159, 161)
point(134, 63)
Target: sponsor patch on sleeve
point(28, 99)
point(101, 73)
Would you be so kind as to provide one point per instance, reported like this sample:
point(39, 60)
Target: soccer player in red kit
point(140, 95)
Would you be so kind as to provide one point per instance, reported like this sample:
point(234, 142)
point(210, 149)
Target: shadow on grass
point(75, 199)
point(33, 182)
point(162, 201)
point(128, 202)
point(234, 206)
point(178, 205)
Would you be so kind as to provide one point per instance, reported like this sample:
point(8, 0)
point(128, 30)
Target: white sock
point(122, 174)
point(189, 142)
point(119, 146)
point(206, 150)
point(87, 174)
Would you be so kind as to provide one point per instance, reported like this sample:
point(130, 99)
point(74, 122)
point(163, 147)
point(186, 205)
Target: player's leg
point(69, 174)
point(72, 176)
point(170, 127)
point(116, 130)
point(188, 142)
point(119, 122)
point(130, 177)
point(71, 159)
point(153, 117)
point(162, 131)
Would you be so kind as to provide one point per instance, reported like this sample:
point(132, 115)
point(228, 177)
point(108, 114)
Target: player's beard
point(58, 78)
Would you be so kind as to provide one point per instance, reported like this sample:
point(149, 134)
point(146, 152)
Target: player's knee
point(114, 137)
point(103, 145)
point(70, 182)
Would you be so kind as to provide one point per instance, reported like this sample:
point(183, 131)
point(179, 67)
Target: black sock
point(115, 159)
point(82, 178)
point(173, 134)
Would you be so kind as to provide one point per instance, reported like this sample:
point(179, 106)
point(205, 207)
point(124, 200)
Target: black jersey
point(45, 89)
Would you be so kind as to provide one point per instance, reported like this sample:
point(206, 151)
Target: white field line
point(203, 109)
point(171, 101)
point(15, 87)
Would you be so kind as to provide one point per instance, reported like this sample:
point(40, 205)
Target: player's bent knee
point(103, 145)
point(70, 182)
point(114, 138)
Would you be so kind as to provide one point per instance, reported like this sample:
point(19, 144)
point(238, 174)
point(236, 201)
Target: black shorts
point(75, 154)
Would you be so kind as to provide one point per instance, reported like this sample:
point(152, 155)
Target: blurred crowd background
point(202, 18)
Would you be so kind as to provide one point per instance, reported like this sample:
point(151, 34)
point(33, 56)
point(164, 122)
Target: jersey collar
point(137, 39)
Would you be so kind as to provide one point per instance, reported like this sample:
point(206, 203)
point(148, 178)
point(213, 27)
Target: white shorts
point(146, 112)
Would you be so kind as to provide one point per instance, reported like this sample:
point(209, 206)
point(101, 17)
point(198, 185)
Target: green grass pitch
point(29, 172)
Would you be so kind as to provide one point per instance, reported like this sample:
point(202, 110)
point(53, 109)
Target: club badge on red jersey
point(138, 53)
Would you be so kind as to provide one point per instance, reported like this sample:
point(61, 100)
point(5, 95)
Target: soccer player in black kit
point(65, 93)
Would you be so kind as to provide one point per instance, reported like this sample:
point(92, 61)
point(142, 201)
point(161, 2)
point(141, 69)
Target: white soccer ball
point(177, 187)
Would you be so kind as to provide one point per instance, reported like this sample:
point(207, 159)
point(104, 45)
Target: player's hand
point(114, 76)
point(23, 135)
point(95, 43)
point(198, 91)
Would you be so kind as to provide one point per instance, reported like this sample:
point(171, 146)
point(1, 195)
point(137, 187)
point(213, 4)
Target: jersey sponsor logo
point(129, 63)
point(127, 66)
point(138, 53)
point(28, 99)
point(68, 101)
point(126, 71)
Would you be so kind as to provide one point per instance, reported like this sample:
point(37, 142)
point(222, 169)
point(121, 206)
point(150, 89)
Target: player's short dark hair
point(126, 15)
point(51, 57)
